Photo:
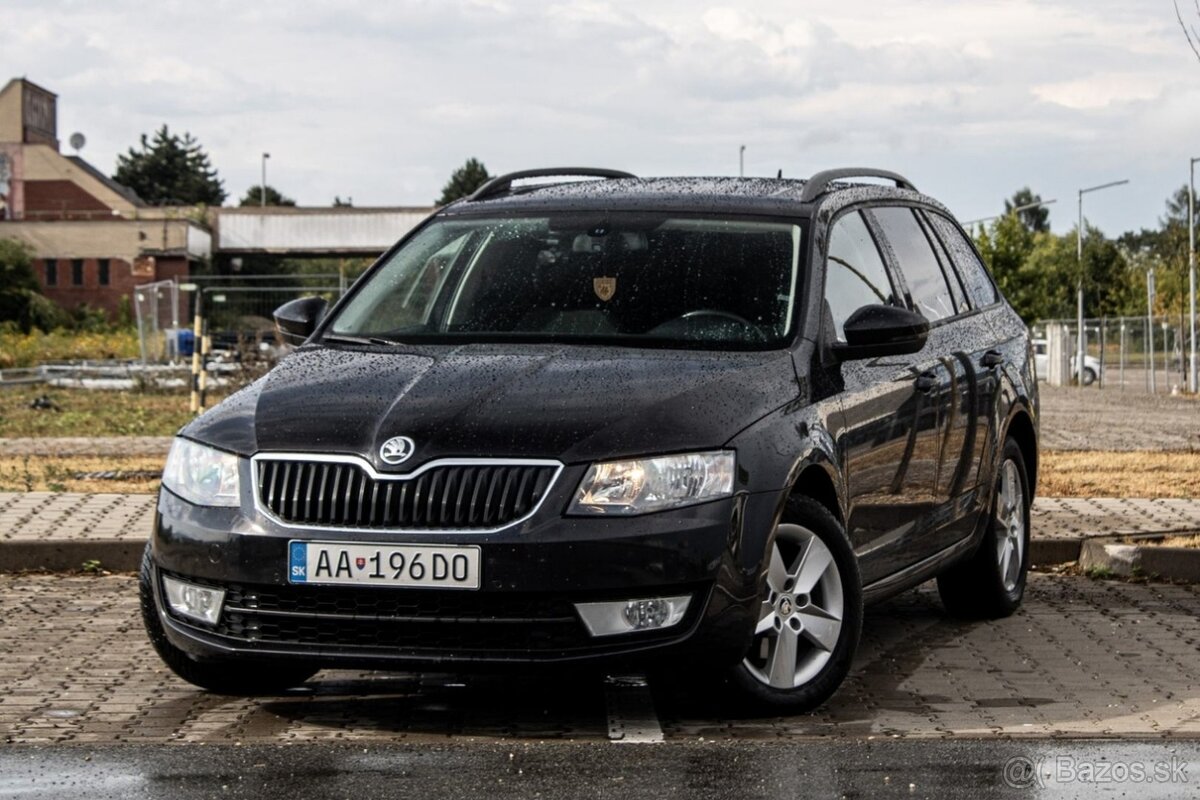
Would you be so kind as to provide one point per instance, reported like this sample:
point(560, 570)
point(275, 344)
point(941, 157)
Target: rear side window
point(952, 277)
point(926, 284)
point(854, 273)
point(979, 284)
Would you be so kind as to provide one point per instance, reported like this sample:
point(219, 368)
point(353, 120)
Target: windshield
point(633, 279)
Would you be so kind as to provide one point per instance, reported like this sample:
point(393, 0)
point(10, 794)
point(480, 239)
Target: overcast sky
point(380, 101)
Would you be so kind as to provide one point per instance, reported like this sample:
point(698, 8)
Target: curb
point(125, 555)
point(1125, 556)
point(114, 555)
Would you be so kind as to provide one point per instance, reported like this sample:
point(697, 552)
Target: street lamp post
point(1192, 376)
point(262, 188)
point(742, 161)
point(1016, 210)
point(1079, 344)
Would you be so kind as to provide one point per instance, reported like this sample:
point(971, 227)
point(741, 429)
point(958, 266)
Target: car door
point(888, 438)
point(980, 348)
point(943, 375)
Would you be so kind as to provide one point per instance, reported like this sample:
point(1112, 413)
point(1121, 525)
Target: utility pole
point(1192, 376)
point(1079, 344)
point(742, 161)
point(262, 188)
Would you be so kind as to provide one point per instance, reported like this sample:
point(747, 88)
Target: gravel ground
point(1109, 419)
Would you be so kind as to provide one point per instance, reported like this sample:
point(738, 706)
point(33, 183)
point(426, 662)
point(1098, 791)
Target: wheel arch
point(1021, 428)
point(817, 478)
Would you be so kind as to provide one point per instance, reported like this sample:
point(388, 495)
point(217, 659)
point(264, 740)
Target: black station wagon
point(616, 421)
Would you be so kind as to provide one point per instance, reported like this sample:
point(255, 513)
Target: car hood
point(569, 403)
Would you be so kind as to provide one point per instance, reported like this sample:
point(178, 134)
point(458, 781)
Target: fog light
point(623, 616)
point(197, 602)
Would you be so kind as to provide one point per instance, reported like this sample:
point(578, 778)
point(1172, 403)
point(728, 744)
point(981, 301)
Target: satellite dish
point(77, 140)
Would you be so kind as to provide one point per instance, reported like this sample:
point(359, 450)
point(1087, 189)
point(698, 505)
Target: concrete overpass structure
point(289, 231)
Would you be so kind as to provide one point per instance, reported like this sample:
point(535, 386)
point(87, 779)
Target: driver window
point(854, 273)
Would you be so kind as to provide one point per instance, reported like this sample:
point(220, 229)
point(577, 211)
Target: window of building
point(102, 271)
point(51, 272)
point(854, 273)
point(926, 284)
point(77, 272)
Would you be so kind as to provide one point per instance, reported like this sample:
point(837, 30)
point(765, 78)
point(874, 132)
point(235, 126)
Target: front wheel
point(992, 582)
point(810, 616)
point(1089, 376)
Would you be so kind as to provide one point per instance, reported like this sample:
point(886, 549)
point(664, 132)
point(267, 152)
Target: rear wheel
point(992, 582)
point(239, 677)
point(810, 615)
point(1089, 376)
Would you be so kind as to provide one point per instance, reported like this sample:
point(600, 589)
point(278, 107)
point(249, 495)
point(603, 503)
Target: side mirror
point(296, 320)
point(877, 330)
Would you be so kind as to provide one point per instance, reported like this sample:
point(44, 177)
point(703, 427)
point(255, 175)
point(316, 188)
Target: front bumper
point(532, 575)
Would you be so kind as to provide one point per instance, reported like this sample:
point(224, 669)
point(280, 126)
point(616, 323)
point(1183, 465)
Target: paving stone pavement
point(86, 446)
point(66, 516)
point(1082, 658)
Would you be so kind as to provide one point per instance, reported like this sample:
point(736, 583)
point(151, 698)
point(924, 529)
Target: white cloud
point(382, 100)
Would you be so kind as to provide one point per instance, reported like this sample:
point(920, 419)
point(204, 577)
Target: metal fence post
point(197, 331)
point(1122, 354)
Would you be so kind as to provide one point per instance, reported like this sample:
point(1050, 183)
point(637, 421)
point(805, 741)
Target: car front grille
point(406, 621)
point(445, 497)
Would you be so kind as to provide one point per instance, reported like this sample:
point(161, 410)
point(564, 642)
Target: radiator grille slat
point(444, 497)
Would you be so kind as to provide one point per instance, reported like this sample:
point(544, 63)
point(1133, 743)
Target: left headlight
point(202, 475)
point(653, 484)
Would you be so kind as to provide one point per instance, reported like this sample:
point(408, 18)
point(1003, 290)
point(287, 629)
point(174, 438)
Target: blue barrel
point(185, 341)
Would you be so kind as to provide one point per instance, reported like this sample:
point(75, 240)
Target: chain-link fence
point(159, 314)
point(1147, 354)
point(237, 311)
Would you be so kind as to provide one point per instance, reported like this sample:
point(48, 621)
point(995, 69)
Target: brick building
point(94, 239)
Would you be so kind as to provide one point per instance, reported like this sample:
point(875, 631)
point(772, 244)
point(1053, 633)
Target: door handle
point(926, 382)
point(992, 359)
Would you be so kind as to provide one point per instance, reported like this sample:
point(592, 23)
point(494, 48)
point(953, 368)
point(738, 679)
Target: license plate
point(416, 566)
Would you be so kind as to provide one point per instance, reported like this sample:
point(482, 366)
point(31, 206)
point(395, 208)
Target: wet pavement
point(1083, 658)
point(559, 771)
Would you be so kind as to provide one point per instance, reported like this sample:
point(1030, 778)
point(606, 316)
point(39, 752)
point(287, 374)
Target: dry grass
point(127, 474)
point(1123, 474)
point(92, 413)
point(1177, 541)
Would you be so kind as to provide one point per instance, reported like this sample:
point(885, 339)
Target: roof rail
point(818, 183)
point(504, 183)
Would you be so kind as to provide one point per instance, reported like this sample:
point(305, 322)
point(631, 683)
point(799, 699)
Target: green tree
point(253, 197)
point(170, 169)
point(21, 301)
point(466, 179)
point(1035, 220)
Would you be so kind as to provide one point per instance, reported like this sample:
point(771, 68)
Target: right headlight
point(652, 484)
point(201, 474)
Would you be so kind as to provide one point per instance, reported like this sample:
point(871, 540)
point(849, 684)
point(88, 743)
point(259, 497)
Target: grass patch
point(1119, 474)
point(103, 474)
point(92, 413)
point(30, 349)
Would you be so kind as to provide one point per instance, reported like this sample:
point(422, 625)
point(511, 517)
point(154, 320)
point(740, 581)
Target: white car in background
point(1041, 363)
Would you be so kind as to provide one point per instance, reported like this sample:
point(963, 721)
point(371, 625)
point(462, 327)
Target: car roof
point(766, 196)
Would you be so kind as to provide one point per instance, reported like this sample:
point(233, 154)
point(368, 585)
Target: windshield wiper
point(346, 339)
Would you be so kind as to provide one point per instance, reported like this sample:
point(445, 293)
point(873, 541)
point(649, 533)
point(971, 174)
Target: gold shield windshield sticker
point(604, 288)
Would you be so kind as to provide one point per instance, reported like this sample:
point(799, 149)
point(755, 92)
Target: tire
point(1089, 376)
point(991, 583)
point(240, 677)
point(803, 638)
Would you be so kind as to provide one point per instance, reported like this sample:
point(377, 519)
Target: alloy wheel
point(800, 619)
point(1010, 525)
